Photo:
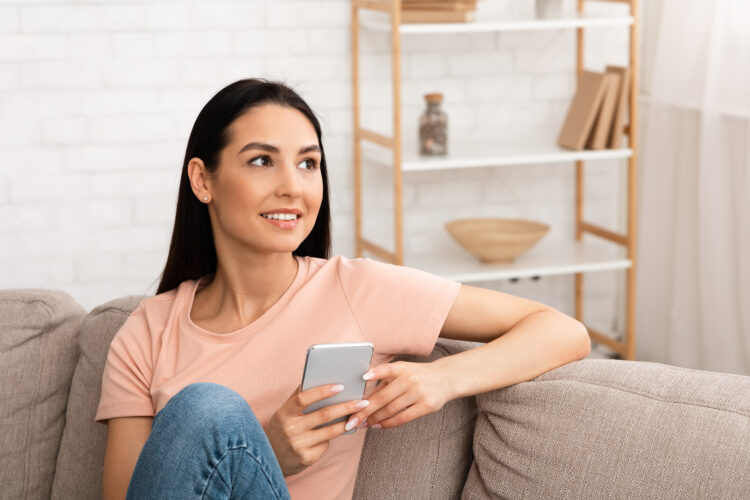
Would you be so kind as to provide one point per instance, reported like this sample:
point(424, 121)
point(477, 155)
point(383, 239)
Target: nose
point(289, 181)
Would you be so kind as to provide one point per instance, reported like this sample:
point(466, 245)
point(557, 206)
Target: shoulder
point(157, 307)
point(151, 316)
point(332, 261)
point(351, 268)
point(357, 263)
point(364, 272)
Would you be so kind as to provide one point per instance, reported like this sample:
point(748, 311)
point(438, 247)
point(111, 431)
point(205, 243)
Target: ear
point(200, 180)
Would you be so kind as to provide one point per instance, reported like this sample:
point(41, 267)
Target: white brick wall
point(97, 100)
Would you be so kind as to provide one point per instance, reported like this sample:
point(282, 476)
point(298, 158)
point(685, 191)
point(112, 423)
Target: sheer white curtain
point(693, 279)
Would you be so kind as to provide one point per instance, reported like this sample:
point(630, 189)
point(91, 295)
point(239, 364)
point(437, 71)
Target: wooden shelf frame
point(624, 348)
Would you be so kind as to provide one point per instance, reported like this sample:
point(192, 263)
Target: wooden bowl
point(496, 240)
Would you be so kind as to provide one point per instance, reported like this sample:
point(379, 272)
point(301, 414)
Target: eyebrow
point(273, 149)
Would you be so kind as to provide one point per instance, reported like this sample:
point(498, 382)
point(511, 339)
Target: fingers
point(384, 406)
point(411, 413)
point(384, 371)
point(314, 437)
point(385, 394)
point(325, 415)
point(322, 416)
point(302, 400)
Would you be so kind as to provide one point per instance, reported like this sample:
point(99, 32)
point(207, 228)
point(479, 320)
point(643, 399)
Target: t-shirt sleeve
point(401, 310)
point(126, 380)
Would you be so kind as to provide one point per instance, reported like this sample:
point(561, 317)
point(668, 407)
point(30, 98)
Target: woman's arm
point(523, 340)
point(125, 439)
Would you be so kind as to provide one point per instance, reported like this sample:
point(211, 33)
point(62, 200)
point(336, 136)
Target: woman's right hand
point(294, 439)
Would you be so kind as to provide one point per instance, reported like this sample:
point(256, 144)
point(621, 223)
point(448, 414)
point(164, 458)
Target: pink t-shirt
point(159, 350)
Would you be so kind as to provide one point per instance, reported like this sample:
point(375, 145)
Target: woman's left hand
point(416, 388)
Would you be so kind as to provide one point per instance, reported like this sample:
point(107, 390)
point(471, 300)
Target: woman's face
point(272, 162)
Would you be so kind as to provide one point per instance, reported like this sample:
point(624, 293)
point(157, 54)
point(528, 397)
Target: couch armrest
point(614, 429)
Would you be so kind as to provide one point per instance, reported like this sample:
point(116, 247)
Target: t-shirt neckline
point(251, 328)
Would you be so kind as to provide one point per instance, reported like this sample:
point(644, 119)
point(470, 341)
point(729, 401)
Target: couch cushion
point(38, 352)
point(79, 464)
point(614, 429)
point(426, 458)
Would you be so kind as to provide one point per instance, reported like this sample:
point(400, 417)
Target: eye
point(252, 162)
point(312, 162)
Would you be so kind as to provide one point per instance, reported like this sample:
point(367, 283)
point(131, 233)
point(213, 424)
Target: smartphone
point(337, 363)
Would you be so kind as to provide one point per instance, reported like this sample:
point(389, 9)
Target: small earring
point(205, 198)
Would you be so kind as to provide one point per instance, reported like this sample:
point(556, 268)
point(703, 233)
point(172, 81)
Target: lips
point(282, 224)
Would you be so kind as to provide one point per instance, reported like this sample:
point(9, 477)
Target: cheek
point(243, 196)
point(315, 192)
point(240, 201)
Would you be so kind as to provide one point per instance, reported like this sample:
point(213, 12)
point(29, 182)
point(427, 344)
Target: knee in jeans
point(206, 390)
point(210, 403)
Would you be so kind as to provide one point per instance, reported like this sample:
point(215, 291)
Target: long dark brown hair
point(192, 253)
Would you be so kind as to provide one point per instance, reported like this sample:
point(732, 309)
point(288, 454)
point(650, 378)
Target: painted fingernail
point(376, 426)
point(368, 375)
point(361, 404)
point(351, 423)
point(337, 388)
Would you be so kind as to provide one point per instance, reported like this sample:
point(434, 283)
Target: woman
point(201, 389)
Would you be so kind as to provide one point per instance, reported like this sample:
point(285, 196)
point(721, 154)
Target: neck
point(241, 293)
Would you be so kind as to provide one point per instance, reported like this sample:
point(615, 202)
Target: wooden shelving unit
point(611, 252)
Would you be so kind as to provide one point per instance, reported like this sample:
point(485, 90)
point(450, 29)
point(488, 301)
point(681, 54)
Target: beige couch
point(590, 429)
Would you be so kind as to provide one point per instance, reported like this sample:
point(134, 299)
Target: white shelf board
point(485, 154)
point(381, 21)
point(544, 259)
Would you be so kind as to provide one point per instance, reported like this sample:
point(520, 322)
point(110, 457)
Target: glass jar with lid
point(433, 127)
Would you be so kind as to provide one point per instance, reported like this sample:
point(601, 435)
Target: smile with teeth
point(280, 216)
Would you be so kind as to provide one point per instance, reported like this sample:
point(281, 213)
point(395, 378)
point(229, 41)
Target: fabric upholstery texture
point(38, 351)
point(614, 429)
point(80, 461)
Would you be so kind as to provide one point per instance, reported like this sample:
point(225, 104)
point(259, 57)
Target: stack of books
point(596, 114)
point(437, 11)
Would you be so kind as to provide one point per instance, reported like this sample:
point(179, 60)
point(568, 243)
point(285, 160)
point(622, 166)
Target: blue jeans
point(207, 443)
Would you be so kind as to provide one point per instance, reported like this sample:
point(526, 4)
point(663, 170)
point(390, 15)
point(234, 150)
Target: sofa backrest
point(78, 473)
point(38, 352)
